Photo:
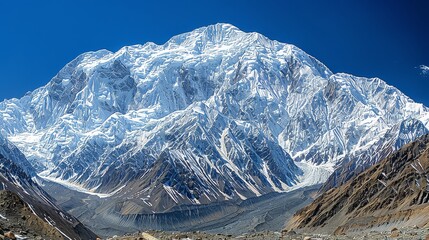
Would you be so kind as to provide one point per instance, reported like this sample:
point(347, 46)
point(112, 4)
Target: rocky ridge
point(392, 193)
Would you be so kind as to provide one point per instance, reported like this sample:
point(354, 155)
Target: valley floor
point(402, 233)
point(265, 213)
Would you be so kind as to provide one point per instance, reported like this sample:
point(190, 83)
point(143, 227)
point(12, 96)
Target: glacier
point(213, 114)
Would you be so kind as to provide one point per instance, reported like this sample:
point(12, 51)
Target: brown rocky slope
point(392, 193)
point(18, 218)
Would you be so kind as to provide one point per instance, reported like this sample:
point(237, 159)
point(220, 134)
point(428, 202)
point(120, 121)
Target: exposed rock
point(10, 235)
point(405, 233)
point(394, 190)
point(14, 208)
point(395, 233)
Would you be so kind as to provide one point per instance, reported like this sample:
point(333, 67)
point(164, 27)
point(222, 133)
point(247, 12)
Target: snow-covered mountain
point(211, 115)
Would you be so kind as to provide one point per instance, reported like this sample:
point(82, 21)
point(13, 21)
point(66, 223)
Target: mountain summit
point(211, 115)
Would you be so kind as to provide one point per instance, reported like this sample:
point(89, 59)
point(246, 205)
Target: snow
point(32, 209)
point(240, 196)
point(206, 95)
point(415, 168)
point(65, 82)
point(146, 201)
point(78, 188)
point(52, 223)
point(313, 174)
point(223, 149)
point(382, 182)
point(268, 177)
point(49, 221)
point(174, 195)
point(63, 233)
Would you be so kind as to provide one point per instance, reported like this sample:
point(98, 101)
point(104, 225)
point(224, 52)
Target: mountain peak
point(234, 105)
point(223, 27)
point(220, 33)
point(217, 29)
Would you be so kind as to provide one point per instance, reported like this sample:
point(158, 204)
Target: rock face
point(394, 192)
point(211, 115)
point(25, 207)
point(19, 218)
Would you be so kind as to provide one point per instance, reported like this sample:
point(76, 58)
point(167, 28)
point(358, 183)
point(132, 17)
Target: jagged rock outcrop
point(394, 192)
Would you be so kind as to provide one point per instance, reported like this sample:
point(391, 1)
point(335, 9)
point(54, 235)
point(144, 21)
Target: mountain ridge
point(393, 192)
point(255, 116)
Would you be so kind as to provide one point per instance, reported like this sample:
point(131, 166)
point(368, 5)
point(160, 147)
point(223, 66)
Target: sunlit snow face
point(65, 82)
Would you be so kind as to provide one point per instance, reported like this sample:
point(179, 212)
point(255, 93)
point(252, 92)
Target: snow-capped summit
point(217, 34)
point(211, 115)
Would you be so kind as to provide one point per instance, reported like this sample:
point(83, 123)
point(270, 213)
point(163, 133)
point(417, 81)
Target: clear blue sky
point(387, 39)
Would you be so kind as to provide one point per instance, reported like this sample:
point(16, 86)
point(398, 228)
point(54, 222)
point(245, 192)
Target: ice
point(212, 97)
point(76, 187)
point(313, 174)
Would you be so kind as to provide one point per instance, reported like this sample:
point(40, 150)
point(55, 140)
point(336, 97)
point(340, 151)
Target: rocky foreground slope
point(25, 208)
point(392, 193)
point(18, 219)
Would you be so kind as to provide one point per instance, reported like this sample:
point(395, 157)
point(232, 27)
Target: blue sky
point(373, 38)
